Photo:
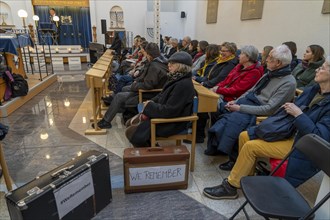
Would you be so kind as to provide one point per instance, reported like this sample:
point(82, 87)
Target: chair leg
point(238, 210)
point(178, 142)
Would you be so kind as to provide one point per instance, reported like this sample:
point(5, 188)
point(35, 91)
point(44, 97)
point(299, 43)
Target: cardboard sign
point(157, 175)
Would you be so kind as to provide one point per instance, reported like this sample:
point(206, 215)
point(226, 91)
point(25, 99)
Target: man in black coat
point(154, 76)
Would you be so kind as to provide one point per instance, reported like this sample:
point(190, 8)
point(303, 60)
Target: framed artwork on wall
point(212, 11)
point(252, 9)
point(326, 7)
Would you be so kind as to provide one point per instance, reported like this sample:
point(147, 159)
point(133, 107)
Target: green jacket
point(305, 77)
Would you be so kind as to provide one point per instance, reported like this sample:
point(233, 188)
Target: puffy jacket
point(239, 81)
point(315, 120)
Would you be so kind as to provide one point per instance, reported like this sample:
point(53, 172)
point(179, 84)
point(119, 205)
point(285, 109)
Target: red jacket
point(239, 81)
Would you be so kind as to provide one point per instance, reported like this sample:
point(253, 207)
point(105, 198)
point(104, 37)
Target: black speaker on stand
point(183, 14)
point(104, 26)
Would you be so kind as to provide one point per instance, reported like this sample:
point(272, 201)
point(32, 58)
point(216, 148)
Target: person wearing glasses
point(275, 88)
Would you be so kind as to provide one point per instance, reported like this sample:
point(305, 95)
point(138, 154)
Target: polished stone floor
point(49, 130)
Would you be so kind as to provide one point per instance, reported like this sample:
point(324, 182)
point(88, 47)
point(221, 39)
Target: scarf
point(223, 60)
point(201, 71)
point(304, 64)
point(175, 76)
point(198, 55)
point(263, 82)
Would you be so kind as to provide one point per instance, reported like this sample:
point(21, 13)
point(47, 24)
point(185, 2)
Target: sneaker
point(223, 191)
point(103, 124)
point(227, 165)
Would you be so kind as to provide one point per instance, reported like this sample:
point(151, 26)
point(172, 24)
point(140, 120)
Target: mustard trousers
point(250, 150)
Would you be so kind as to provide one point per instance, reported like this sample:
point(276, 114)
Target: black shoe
point(107, 100)
point(198, 141)
point(227, 165)
point(213, 152)
point(223, 191)
point(103, 124)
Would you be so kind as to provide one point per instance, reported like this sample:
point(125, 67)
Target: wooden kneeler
point(5, 169)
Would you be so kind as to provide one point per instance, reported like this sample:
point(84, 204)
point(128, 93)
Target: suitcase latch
point(92, 158)
point(34, 190)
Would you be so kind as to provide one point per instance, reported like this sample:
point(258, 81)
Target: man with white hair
point(185, 44)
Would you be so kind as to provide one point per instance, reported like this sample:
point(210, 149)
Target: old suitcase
point(76, 190)
point(158, 168)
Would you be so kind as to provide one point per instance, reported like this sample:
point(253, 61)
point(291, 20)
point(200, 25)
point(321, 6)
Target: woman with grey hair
point(175, 100)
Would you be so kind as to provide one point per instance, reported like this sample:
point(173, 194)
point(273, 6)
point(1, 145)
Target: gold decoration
point(72, 3)
point(212, 11)
point(326, 7)
point(252, 9)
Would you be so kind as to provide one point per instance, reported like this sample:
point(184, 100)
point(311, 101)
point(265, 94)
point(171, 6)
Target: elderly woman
point(305, 71)
point(311, 112)
point(174, 47)
point(225, 63)
point(242, 77)
point(175, 100)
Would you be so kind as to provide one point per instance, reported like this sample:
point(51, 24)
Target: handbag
point(3, 131)
point(277, 127)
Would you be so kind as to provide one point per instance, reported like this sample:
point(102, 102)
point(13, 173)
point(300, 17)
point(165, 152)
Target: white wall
point(297, 20)
point(134, 15)
point(188, 24)
point(16, 5)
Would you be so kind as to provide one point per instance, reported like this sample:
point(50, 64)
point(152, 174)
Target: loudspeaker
point(183, 14)
point(104, 26)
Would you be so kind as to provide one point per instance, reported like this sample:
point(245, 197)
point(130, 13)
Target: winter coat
point(198, 64)
point(239, 81)
point(224, 134)
point(219, 72)
point(207, 70)
point(175, 100)
point(305, 76)
point(315, 120)
point(153, 76)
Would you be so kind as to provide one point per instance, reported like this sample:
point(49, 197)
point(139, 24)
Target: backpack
point(20, 86)
point(17, 84)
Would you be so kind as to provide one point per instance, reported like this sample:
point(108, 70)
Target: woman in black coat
point(175, 100)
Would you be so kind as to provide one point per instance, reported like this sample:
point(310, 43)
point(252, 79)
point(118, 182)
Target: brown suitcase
point(158, 168)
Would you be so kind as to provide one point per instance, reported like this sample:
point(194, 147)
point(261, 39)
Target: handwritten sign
point(156, 175)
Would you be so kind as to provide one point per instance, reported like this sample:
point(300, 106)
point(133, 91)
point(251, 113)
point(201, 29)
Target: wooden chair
point(141, 91)
point(185, 135)
point(5, 169)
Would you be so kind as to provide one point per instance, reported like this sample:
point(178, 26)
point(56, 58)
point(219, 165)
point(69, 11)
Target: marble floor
point(49, 130)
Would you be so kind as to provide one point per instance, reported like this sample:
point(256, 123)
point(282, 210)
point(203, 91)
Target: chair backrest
point(316, 149)
point(195, 105)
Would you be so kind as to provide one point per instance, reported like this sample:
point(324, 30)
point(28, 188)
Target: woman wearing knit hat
point(175, 100)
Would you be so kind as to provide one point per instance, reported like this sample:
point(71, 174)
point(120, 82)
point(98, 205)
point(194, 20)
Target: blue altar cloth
point(10, 45)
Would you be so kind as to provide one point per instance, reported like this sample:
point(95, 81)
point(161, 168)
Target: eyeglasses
point(224, 51)
point(271, 59)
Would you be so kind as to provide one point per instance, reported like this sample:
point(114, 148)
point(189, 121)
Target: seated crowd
point(250, 84)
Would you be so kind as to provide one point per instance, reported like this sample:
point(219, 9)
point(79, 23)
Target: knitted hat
point(181, 57)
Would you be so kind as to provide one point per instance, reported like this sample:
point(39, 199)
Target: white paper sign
point(73, 193)
point(156, 175)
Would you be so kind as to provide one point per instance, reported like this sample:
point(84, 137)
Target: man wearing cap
point(175, 100)
point(153, 76)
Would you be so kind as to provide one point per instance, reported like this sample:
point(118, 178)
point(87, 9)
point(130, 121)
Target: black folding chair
point(275, 197)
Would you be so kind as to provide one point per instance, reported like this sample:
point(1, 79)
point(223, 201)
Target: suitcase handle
point(63, 170)
point(152, 149)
